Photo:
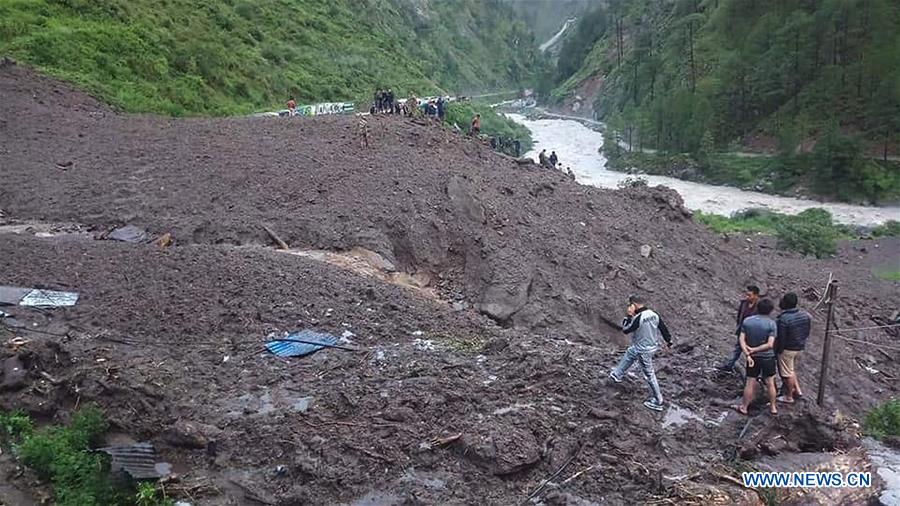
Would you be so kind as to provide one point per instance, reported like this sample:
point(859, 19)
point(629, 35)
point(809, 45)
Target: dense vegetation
point(234, 56)
point(884, 420)
point(492, 124)
point(704, 76)
point(61, 456)
point(812, 232)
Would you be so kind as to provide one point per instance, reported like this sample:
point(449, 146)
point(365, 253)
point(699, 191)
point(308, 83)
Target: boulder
point(14, 374)
point(187, 434)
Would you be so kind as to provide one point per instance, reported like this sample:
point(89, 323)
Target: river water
point(577, 147)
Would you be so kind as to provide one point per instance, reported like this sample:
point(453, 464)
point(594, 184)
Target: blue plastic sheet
point(294, 349)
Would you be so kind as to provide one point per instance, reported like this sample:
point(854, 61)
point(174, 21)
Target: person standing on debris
point(362, 128)
point(378, 97)
point(554, 160)
point(292, 106)
point(389, 101)
point(793, 326)
point(441, 108)
point(476, 125)
point(542, 158)
point(757, 341)
point(746, 308)
point(518, 146)
point(645, 327)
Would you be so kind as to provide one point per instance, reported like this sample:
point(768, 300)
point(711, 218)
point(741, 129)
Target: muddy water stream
point(577, 147)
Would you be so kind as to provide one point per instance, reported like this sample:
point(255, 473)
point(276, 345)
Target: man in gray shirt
point(758, 342)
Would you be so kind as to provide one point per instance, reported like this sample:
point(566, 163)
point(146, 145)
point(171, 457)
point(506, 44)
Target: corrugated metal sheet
point(138, 460)
point(294, 349)
point(49, 298)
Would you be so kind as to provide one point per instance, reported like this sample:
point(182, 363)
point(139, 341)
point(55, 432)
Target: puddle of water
point(426, 479)
point(270, 401)
point(378, 499)
point(886, 462)
point(677, 416)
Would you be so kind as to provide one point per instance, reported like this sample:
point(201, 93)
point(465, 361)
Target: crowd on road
point(384, 102)
point(770, 347)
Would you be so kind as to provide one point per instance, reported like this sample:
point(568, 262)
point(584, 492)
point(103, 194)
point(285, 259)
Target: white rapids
point(577, 147)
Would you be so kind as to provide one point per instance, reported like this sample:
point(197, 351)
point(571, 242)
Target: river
point(577, 147)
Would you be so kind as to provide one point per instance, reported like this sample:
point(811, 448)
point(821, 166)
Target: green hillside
point(699, 76)
point(236, 56)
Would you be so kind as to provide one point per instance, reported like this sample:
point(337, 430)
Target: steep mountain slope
point(546, 17)
point(188, 56)
point(681, 71)
point(504, 362)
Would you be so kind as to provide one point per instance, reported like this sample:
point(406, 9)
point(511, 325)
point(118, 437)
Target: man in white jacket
point(645, 327)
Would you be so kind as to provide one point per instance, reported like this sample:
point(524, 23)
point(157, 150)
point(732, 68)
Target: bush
point(810, 233)
point(492, 123)
point(633, 182)
point(884, 420)
point(890, 228)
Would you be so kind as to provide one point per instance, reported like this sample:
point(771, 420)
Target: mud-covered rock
point(188, 434)
point(14, 374)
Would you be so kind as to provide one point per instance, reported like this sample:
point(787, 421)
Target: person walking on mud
point(757, 341)
point(793, 326)
point(746, 308)
point(645, 327)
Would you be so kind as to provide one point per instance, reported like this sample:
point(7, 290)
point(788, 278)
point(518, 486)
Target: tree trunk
point(693, 68)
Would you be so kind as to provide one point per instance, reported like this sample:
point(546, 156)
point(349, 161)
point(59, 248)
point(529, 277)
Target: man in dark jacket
point(746, 308)
point(794, 325)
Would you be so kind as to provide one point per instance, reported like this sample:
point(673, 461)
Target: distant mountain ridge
point(226, 57)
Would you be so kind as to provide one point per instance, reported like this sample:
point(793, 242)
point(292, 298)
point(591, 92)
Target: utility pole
point(830, 296)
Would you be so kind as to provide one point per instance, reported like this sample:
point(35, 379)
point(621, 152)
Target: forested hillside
point(233, 56)
point(546, 17)
point(695, 76)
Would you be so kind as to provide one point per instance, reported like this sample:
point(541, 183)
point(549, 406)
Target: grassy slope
point(236, 56)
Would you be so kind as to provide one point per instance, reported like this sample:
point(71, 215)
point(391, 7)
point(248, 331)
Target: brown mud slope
point(501, 336)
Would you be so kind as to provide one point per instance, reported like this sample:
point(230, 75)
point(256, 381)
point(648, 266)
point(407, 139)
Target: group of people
point(552, 162)
point(769, 346)
point(384, 102)
point(507, 145)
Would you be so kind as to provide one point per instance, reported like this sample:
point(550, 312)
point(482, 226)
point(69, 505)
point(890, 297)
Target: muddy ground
point(482, 310)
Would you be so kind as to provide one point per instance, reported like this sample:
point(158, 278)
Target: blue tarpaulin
point(283, 348)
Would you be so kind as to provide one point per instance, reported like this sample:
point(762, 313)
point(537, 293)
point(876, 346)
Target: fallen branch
point(579, 473)
point(551, 477)
point(281, 244)
point(728, 478)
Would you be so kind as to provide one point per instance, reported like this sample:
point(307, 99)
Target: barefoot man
point(758, 342)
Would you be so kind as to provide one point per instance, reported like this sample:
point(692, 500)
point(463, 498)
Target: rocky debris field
point(479, 298)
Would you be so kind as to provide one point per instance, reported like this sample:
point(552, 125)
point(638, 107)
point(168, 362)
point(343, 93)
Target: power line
point(874, 345)
point(857, 329)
